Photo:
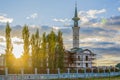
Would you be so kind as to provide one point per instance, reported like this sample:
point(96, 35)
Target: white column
point(98, 69)
point(109, 69)
point(6, 71)
point(48, 71)
point(35, 70)
point(68, 70)
point(84, 70)
point(91, 70)
point(58, 70)
point(77, 70)
point(22, 72)
point(104, 70)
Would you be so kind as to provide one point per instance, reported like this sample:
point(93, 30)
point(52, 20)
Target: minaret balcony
point(76, 18)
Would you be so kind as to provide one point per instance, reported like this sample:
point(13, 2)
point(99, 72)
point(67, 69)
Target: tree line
point(46, 51)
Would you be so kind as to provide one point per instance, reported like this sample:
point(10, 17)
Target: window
point(78, 57)
point(75, 37)
point(78, 64)
point(86, 64)
point(86, 58)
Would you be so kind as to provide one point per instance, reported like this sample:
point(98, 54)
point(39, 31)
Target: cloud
point(115, 20)
point(62, 20)
point(93, 13)
point(2, 39)
point(17, 40)
point(32, 16)
point(86, 16)
point(119, 9)
point(34, 26)
point(4, 19)
point(107, 59)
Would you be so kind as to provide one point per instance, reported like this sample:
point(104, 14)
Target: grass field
point(107, 78)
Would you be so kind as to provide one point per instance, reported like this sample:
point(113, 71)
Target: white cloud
point(32, 16)
point(86, 16)
point(2, 47)
point(58, 27)
point(2, 38)
point(34, 26)
point(119, 9)
point(95, 39)
point(92, 13)
point(61, 20)
point(16, 39)
point(4, 19)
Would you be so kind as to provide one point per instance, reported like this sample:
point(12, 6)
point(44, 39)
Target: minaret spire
point(76, 28)
point(76, 18)
point(76, 15)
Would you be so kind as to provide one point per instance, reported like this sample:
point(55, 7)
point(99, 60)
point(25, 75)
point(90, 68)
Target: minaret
point(76, 29)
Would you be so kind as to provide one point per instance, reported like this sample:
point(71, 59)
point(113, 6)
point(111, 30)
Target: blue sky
point(99, 22)
point(47, 10)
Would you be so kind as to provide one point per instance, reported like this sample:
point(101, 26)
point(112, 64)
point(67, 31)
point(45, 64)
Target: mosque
point(78, 57)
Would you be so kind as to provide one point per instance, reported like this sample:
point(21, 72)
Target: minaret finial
point(76, 18)
point(76, 3)
point(75, 8)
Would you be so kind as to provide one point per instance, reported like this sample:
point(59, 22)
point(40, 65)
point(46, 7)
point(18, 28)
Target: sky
point(99, 22)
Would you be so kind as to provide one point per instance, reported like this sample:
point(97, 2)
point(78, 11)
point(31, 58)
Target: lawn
point(107, 78)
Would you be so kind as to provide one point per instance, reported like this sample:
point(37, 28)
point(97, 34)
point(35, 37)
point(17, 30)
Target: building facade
point(78, 57)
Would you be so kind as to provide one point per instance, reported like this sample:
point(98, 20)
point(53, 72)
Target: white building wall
point(82, 61)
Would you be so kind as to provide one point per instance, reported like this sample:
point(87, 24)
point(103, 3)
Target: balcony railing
point(80, 59)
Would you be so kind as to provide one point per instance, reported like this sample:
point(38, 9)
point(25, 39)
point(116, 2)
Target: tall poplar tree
point(9, 57)
point(60, 51)
point(33, 56)
point(36, 51)
point(51, 49)
point(44, 49)
point(26, 55)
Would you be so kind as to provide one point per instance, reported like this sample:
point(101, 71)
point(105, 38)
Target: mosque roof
point(76, 49)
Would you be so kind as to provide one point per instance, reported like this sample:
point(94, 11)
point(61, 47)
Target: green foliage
point(51, 39)
point(9, 57)
point(47, 49)
point(59, 51)
point(44, 50)
point(36, 51)
point(118, 65)
point(26, 55)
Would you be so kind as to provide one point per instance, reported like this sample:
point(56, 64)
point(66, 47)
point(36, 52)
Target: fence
point(59, 75)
